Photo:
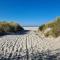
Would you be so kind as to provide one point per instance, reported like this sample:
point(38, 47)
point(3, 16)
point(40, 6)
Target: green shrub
point(19, 28)
point(41, 27)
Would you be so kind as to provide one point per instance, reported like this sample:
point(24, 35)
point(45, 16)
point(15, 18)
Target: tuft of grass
point(55, 31)
point(41, 27)
point(10, 27)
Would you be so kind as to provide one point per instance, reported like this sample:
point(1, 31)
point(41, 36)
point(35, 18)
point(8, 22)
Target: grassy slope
point(10, 27)
point(55, 31)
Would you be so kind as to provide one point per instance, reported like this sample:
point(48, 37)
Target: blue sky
point(29, 12)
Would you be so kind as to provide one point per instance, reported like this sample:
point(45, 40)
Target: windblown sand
point(17, 45)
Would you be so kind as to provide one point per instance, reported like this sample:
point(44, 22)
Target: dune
point(28, 45)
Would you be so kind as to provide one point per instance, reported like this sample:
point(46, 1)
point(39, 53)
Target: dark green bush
point(18, 28)
point(41, 27)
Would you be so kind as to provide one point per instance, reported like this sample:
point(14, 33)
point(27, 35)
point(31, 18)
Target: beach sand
point(30, 42)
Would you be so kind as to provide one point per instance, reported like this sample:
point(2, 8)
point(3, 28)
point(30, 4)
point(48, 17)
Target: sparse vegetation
point(10, 27)
point(41, 27)
point(55, 31)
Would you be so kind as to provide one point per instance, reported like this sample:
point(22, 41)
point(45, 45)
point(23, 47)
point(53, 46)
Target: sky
point(29, 12)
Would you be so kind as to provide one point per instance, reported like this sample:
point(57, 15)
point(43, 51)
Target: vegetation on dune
point(10, 27)
point(42, 27)
point(55, 28)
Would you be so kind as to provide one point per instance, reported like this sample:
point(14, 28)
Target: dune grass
point(10, 27)
point(55, 25)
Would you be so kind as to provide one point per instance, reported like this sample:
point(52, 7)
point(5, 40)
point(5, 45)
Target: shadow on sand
point(15, 33)
point(48, 55)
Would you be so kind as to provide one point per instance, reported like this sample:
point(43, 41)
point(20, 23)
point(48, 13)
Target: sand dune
point(23, 46)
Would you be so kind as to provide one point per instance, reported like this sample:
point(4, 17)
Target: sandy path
point(18, 46)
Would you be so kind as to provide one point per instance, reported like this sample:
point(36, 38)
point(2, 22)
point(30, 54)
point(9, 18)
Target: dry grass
point(10, 27)
point(55, 31)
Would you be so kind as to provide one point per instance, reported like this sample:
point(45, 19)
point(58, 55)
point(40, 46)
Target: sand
point(14, 46)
